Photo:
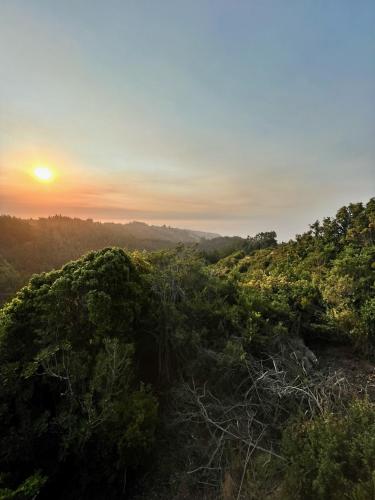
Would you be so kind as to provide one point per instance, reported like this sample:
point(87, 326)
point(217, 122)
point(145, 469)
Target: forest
point(198, 368)
point(29, 246)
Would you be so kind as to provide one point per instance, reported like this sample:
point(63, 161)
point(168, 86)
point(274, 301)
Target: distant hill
point(143, 231)
point(34, 245)
point(29, 246)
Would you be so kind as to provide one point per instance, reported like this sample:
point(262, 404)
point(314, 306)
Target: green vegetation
point(70, 386)
point(195, 372)
point(33, 246)
point(333, 456)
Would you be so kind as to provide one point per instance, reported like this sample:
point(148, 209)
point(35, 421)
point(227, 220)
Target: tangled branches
point(246, 420)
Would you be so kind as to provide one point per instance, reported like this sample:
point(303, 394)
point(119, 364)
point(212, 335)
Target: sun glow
point(43, 174)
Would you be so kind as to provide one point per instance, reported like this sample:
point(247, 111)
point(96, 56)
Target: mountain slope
point(32, 246)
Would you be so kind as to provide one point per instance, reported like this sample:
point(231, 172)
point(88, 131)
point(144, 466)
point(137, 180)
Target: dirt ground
point(359, 371)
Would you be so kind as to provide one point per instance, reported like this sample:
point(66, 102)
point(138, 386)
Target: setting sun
point(44, 174)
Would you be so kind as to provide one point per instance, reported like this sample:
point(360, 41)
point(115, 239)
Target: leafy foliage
point(333, 457)
point(69, 379)
point(30, 488)
point(126, 369)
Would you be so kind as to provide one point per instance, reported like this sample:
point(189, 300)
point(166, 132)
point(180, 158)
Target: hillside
point(144, 232)
point(167, 374)
point(29, 246)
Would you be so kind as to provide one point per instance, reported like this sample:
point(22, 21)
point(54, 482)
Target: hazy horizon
point(181, 224)
point(227, 117)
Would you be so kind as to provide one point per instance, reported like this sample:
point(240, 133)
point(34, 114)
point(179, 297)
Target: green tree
point(71, 394)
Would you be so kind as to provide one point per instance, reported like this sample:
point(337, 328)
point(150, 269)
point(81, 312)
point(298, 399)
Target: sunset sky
point(227, 116)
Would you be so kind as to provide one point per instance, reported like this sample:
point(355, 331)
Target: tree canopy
point(180, 372)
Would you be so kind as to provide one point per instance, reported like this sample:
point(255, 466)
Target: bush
point(332, 457)
point(30, 488)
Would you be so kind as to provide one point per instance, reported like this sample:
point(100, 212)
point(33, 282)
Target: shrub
point(332, 457)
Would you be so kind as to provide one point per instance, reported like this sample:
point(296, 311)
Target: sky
point(220, 115)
